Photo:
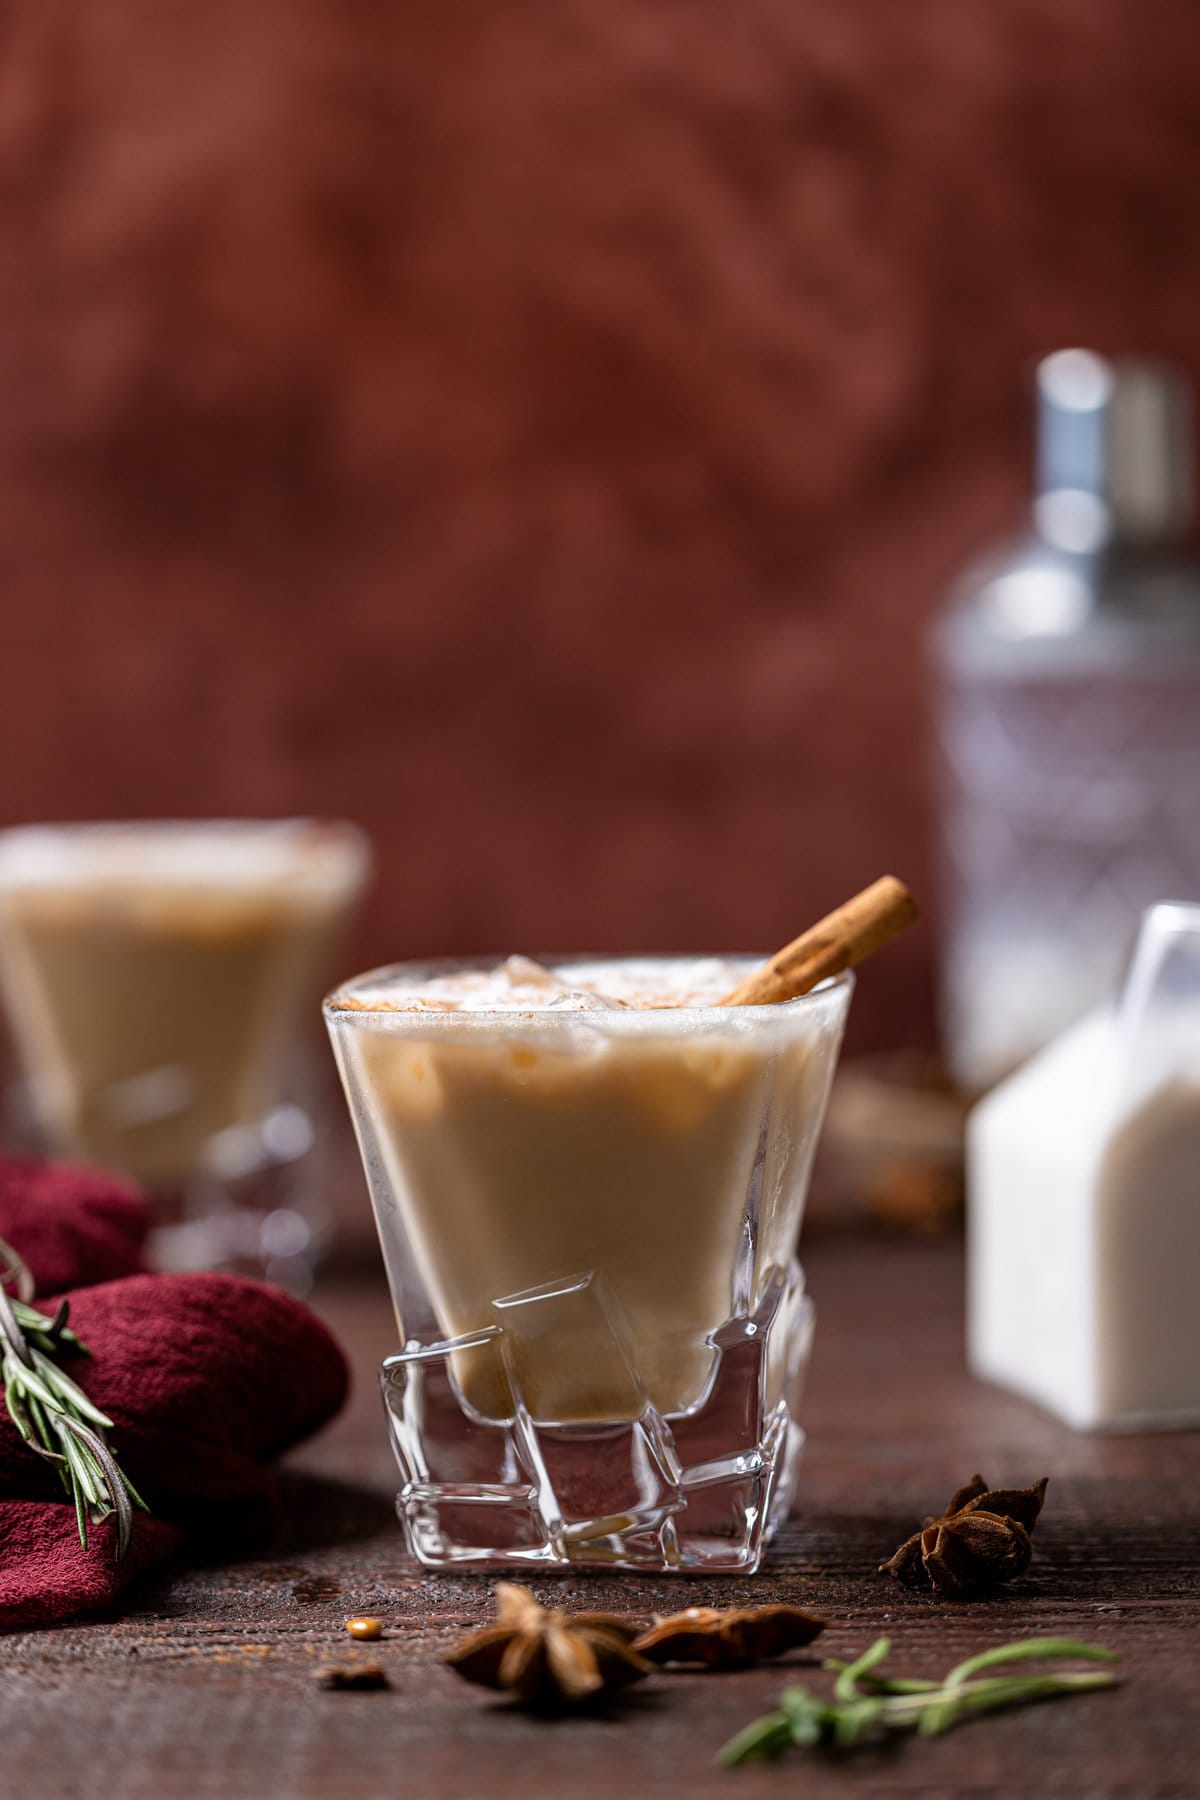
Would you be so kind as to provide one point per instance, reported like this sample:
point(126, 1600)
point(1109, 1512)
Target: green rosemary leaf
point(844, 1687)
point(885, 1684)
point(67, 1390)
point(16, 1407)
point(79, 1468)
point(81, 1517)
point(117, 1500)
point(1025, 1649)
point(55, 1334)
point(765, 1737)
point(855, 1721)
point(887, 1703)
point(132, 1492)
point(805, 1715)
point(46, 1440)
point(896, 1685)
point(52, 1413)
point(96, 1474)
point(33, 1384)
point(989, 1696)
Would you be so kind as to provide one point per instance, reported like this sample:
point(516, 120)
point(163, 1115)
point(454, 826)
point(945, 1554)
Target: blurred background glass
point(1069, 716)
point(160, 982)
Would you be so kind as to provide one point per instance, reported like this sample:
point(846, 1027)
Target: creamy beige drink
point(590, 1166)
point(157, 977)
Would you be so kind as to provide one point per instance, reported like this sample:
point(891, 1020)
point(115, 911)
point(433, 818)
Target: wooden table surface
point(205, 1686)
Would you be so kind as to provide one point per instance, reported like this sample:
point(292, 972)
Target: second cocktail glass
point(159, 979)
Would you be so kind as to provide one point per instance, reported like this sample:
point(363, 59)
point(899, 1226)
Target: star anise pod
point(544, 1657)
point(981, 1539)
point(728, 1638)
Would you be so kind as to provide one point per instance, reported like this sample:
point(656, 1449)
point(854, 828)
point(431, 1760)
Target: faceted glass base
point(701, 1491)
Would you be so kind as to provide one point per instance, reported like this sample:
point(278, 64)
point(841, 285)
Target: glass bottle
point(1068, 717)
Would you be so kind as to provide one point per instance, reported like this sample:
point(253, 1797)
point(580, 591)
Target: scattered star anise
point(982, 1538)
point(544, 1657)
point(728, 1638)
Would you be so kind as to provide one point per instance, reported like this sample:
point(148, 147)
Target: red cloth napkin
point(73, 1226)
point(205, 1377)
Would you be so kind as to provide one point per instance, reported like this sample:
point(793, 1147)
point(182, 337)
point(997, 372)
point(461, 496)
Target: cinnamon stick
point(838, 941)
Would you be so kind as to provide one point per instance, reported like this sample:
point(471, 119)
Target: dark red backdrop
point(541, 432)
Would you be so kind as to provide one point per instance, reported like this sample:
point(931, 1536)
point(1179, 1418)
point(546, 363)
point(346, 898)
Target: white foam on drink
point(522, 985)
point(220, 853)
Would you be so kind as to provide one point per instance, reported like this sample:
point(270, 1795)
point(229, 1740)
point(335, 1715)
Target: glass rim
point(67, 837)
point(620, 1018)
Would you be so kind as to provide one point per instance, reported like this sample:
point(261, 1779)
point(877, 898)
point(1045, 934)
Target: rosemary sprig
point(52, 1414)
point(866, 1703)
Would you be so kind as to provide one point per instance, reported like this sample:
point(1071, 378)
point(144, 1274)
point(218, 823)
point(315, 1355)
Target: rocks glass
point(588, 1220)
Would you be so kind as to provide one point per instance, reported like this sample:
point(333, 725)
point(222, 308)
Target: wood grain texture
point(205, 1687)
